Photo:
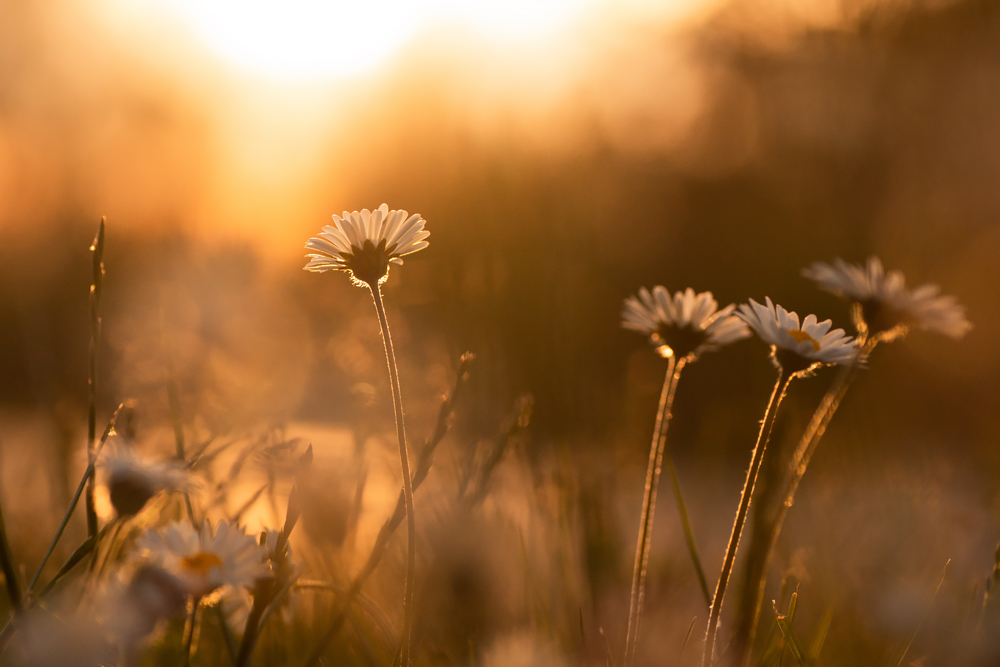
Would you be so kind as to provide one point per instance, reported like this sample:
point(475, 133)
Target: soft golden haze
point(326, 39)
point(807, 153)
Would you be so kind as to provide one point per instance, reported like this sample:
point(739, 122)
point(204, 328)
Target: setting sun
point(309, 39)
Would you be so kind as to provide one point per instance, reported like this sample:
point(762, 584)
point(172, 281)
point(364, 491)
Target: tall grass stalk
point(411, 526)
point(763, 437)
point(392, 523)
point(81, 551)
point(657, 450)
point(87, 476)
point(756, 582)
point(692, 545)
point(96, 290)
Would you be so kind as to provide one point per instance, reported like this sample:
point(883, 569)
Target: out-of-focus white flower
point(684, 325)
point(364, 243)
point(205, 561)
point(133, 608)
point(797, 347)
point(132, 480)
point(237, 602)
point(886, 308)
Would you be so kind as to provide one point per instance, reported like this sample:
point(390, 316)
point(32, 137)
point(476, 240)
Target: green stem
point(395, 519)
point(644, 539)
point(766, 425)
point(692, 545)
point(227, 634)
point(757, 577)
point(267, 591)
point(87, 475)
point(411, 529)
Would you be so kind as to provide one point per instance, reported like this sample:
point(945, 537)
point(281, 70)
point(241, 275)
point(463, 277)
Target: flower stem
point(757, 574)
point(96, 290)
point(424, 461)
point(656, 449)
point(766, 425)
point(190, 636)
point(411, 530)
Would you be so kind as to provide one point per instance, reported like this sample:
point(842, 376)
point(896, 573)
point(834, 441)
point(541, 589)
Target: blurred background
point(564, 153)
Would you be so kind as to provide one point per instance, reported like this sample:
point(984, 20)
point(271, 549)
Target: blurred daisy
point(796, 347)
point(684, 325)
point(132, 480)
point(364, 243)
point(204, 561)
point(132, 608)
point(884, 307)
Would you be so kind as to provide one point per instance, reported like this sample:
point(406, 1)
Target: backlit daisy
point(204, 560)
point(684, 325)
point(132, 480)
point(364, 243)
point(797, 347)
point(884, 307)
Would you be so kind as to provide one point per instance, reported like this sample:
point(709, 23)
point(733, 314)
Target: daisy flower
point(133, 607)
point(797, 347)
point(203, 560)
point(364, 243)
point(884, 307)
point(684, 325)
point(132, 480)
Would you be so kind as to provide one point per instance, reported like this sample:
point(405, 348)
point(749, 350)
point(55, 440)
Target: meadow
point(679, 354)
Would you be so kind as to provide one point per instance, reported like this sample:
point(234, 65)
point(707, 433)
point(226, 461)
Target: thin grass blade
point(788, 632)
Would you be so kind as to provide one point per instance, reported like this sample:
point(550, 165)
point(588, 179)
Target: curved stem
point(766, 425)
point(88, 473)
point(757, 577)
point(688, 530)
point(656, 450)
point(339, 616)
point(411, 531)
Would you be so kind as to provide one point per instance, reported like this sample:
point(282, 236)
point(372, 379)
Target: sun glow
point(310, 39)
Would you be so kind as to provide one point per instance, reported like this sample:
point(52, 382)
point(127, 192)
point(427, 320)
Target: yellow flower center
point(201, 562)
point(801, 336)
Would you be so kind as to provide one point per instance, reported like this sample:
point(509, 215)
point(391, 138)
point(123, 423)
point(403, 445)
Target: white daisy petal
point(888, 308)
point(686, 324)
point(203, 560)
point(391, 226)
point(342, 246)
point(813, 341)
point(132, 480)
point(335, 235)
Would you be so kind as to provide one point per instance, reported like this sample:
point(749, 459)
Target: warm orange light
point(310, 39)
